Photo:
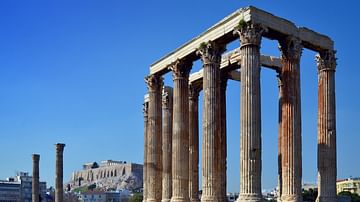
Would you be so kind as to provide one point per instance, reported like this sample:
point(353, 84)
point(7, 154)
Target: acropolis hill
point(109, 174)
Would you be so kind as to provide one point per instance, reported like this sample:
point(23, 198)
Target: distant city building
point(108, 175)
point(19, 188)
point(351, 185)
point(104, 196)
point(9, 190)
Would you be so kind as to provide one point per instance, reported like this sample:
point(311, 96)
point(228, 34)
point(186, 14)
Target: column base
point(152, 200)
point(326, 199)
point(291, 198)
point(249, 198)
point(165, 200)
point(180, 199)
point(194, 200)
point(209, 199)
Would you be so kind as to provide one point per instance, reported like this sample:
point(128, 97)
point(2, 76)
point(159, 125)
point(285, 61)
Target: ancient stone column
point(59, 189)
point(180, 147)
point(210, 55)
point(279, 136)
point(194, 142)
point(154, 128)
point(35, 178)
point(326, 62)
point(223, 144)
point(167, 107)
point(145, 179)
point(291, 168)
point(250, 116)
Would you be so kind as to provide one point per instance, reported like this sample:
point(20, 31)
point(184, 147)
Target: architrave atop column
point(326, 63)
point(250, 116)
point(210, 55)
point(154, 128)
point(180, 147)
point(290, 131)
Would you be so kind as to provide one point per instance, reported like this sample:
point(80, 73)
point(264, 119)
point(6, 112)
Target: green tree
point(136, 197)
point(354, 196)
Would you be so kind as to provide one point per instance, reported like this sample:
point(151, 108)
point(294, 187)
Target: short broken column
point(167, 108)
point(291, 168)
point(59, 189)
point(35, 178)
point(326, 62)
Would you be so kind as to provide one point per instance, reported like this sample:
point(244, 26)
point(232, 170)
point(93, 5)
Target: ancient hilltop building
point(109, 174)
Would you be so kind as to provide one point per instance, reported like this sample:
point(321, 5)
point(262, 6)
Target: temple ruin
point(171, 137)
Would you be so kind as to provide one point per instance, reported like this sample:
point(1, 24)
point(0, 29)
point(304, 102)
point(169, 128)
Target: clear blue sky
point(73, 72)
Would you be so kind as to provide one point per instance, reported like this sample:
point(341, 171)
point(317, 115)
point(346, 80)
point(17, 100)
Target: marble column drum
point(180, 148)
point(326, 63)
point(35, 178)
point(154, 128)
point(223, 143)
point(291, 162)
point(210, 55)
point(59, 189)
point(250, 113)
point(167, 108)
point(194, 142)
point(145, 179)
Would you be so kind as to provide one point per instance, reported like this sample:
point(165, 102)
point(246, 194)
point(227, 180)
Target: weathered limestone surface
point(180, 147)
point(250, 117)
point(35, 178)
point(326, 62)
point(145, 179)
point(210, 55)
point(291, 169)
point(194, 142)
point(167, 107)
point(154, 127)
point(59, 189)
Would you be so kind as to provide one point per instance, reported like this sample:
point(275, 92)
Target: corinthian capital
point(250, 34)
point(290, 48)
point(154, 82)
point(326, 60)
point(181, 68)
point(210, 52)
point(194, 91)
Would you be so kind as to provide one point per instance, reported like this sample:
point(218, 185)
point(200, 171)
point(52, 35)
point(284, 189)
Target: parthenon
point(171, 128)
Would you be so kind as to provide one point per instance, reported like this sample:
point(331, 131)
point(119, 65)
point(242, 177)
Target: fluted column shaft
point(250, 114)
point(167, 107)
point(194, 143)
point(279, 136)
point(35, 178)
point(210, 54)
point(154, 128)
point(145, 179)
point(291, 168)
point(326, 127)
point(180, 147)
point(223, 143)
point(59, 189)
